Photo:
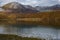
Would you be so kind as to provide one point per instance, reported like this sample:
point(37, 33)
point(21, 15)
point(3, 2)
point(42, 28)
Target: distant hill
point(48, 8)
point(17, 7)
point(55, 7)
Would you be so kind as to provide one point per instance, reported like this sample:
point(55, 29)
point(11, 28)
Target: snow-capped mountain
point(17, 7)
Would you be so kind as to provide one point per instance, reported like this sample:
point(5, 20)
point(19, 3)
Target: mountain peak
point(17, 7)
point(13, 5)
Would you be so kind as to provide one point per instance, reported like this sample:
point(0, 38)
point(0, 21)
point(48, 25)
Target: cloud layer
point(32, 2)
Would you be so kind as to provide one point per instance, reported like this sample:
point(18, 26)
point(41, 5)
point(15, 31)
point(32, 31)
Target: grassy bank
point(15, 37)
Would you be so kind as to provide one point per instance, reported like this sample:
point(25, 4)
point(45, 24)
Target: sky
point(32, 2)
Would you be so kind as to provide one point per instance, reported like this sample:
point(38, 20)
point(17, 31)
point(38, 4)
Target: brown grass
point(41, 18)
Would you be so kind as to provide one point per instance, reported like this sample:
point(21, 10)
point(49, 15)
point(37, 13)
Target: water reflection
point(30, 31)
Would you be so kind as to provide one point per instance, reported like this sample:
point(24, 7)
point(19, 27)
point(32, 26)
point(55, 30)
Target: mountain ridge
point(54, 7)
point(20, 8)
point(17, 7)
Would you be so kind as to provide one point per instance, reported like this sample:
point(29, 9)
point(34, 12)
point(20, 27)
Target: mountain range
point(20, 8)
point(17, 7)
point(48, 8)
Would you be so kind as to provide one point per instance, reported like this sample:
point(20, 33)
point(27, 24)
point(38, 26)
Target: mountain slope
point(17, 7)
point(47, 8)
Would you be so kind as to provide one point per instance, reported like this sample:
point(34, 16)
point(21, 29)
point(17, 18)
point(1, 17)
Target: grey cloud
point(32, 2)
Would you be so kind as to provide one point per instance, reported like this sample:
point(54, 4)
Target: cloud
point(47, 2)
point(40, 2)
point(58, 0)
point(32, 2)
point(6, 1)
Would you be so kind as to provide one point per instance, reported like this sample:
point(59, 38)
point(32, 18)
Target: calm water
point(31, 31)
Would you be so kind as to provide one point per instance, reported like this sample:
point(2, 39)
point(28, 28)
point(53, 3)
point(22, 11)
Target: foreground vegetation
point(41, 18)
point(15, 37)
